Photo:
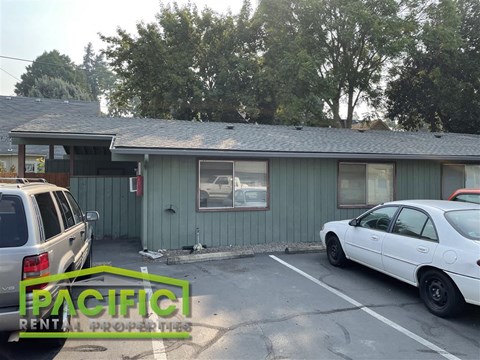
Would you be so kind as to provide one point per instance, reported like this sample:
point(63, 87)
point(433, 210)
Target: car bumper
point(322, 236)
point(469, 287)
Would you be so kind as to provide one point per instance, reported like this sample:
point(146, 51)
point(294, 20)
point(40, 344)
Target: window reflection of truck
point(217, 186)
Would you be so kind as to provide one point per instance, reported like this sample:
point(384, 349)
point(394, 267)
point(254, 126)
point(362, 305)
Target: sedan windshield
point(466, 222)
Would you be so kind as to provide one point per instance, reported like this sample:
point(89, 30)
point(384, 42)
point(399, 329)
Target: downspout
point(144, 172)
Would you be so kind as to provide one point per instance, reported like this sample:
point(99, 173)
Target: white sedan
point(431, 244)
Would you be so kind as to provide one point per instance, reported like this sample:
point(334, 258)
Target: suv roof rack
point(22, 180)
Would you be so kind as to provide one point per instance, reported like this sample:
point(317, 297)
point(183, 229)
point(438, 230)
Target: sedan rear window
point(13, 223)
point(466, 222)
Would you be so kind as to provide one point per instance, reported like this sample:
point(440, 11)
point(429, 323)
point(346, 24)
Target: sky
point(30, 27)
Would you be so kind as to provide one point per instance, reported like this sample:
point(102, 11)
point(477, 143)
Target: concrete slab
point(304, 249)
point(223, 255)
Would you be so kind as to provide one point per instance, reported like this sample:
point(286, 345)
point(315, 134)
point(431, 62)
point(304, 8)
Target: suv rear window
point(13, 223)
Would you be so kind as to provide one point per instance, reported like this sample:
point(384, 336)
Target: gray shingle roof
point(17, 110)
point(170, 136)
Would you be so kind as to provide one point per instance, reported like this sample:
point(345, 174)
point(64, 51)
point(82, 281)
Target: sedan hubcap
point(437, 292)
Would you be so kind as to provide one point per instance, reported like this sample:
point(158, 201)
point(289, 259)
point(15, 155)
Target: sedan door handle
point(374, 237)
point(72, 239)
point(422, 249)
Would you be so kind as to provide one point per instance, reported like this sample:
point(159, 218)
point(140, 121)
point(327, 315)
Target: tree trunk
point(336, 112)
point(348, 124)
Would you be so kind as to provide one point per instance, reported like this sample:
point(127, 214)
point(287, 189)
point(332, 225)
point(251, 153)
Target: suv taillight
point(34, 267)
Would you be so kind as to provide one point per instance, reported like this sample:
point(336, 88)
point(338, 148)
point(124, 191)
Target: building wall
point(303, 195)
point(31, 161)
point(119, 209)
point(92, 166)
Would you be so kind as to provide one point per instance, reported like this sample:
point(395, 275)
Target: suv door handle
point(72, 239)
point(374, 237)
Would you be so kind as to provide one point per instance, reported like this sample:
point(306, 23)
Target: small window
point(30, 167)
point(48, 213)
point(13, 223)
point(365, 184)
point(459, 176)
point(67, 214)
point(220, 182)
point(77, 212)
point(379, 219)
point(414, 223)
point(471, 198)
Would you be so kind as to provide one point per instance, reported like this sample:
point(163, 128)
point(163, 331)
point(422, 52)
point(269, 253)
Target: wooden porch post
point(21, 161)
point(72, 160)
point(51, 151)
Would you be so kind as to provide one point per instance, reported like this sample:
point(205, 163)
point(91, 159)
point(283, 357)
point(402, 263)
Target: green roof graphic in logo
point(145, 277)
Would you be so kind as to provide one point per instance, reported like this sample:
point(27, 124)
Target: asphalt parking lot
point(278, 306)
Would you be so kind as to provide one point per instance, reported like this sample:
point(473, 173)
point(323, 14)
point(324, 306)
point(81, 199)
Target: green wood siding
point(119, 209)
point(418, 180)
point(303, 195)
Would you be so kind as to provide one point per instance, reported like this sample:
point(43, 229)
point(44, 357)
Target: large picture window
point(361, 184)
point(459, 176)
point(232, 184)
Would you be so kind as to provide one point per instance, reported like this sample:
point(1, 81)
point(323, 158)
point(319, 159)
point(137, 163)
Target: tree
point(100, 80)
point(438, 84)
point(339, 47)
point(56, 88)
point(188, 65)
point(45, 68)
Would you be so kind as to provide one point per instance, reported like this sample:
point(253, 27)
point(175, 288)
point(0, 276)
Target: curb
point(299, 249)
point(191, 258)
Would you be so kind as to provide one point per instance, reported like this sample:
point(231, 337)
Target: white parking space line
point(377, 316)
point(157, 344)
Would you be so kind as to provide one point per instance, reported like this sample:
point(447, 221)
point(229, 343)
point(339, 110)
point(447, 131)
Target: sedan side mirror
point(354, 222)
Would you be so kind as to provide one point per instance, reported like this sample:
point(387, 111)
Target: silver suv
point(43, 232)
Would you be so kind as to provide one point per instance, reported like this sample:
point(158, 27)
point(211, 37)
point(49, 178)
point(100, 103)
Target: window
point(30, 167)
point(465, 222)
point(77, 212)
point(219, 180)
point(365, 184)
point(67, 214)
point(379, 219)
point(416, 224)
point(13, 223)
point(459, 176)
point(48, 213)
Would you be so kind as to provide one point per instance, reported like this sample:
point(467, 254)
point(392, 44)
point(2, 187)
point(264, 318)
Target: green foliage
point(330, 51)
point(51, 69)
point(438, 84)
point(189, 65)
point(98, 76)
point(56, 88)
point(300, 61)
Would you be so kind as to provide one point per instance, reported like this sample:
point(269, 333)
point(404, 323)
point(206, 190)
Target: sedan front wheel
point(335, 253)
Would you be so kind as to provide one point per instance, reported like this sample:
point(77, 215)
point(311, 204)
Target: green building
point(242, 184)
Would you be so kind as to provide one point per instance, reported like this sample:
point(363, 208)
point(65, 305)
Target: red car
point(466, 195)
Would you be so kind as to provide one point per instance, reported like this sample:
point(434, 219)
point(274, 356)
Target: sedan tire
point(440, 295)
point(335, 253)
